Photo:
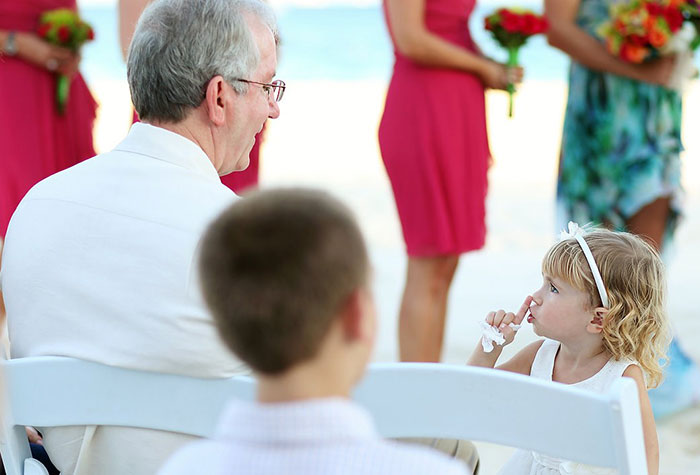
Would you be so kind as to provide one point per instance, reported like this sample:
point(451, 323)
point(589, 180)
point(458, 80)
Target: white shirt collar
point(161, 144)
point(296, 422)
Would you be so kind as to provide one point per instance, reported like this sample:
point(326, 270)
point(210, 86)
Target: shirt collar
point(296, 422)
point(161, 144)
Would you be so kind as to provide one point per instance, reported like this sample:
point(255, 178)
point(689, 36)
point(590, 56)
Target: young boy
point(285, 274)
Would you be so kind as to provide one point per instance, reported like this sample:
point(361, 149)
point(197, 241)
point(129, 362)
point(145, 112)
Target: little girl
point(601, 312)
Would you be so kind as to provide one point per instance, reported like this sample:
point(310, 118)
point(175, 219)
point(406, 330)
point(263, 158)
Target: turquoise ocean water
point(334, 43)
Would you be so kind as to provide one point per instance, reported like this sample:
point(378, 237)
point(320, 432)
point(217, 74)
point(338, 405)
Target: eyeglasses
point(275, 89)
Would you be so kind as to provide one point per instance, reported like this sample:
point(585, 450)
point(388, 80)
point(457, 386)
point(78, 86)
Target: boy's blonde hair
point(636, 325)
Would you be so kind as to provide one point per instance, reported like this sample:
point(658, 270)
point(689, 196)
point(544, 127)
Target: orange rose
point(657, 37)
point(633, 53)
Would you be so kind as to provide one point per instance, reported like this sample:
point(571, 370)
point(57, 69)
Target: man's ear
point(598, 320)
point(215, 99)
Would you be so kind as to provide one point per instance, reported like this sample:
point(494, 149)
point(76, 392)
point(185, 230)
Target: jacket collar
point(167, 146)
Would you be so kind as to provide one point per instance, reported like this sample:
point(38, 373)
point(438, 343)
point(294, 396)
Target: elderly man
point(99, 260)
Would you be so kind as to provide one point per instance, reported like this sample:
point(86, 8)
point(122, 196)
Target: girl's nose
point(537, 298)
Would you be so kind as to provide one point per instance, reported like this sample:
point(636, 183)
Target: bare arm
point(416, 42)
point(33, 49)
point(566, 35)
point(129, 13)
point(651, 441)
point(521, 363)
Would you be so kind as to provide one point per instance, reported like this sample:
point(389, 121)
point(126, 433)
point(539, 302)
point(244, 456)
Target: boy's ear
point(358, 316)
point(596, 323)
point(352, 316)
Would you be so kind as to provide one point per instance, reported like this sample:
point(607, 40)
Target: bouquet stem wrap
point(62, 89)
point(512, 62)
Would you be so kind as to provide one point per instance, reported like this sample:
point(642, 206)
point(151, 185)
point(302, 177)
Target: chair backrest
point(56, 391)
point(406, 400)
point(462, 402)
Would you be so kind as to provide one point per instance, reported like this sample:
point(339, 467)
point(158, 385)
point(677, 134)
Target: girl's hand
point(502, 319)
point(34, 50)
point(497, 76)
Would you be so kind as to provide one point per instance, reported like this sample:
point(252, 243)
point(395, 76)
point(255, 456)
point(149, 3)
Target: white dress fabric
point(526, 462)
point(330, 436)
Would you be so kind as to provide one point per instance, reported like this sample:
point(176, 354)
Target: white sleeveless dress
point(525, 462)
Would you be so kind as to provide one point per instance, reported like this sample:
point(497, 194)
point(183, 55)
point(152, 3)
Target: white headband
point(577, 233)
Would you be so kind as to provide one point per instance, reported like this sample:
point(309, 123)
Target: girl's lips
point(530, 318)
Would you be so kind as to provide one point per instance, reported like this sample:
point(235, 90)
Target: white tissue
point(491, 335)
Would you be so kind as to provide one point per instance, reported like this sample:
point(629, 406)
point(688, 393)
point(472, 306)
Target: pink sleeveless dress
point(434, 145)
point(35, 141)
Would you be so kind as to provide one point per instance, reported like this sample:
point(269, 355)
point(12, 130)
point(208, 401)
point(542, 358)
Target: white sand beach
point(326, 137)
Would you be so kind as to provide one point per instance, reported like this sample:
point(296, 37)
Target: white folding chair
point(405, 399)
point(55, 391)
point(468, 403)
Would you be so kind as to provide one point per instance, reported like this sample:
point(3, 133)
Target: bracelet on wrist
point(10, 47)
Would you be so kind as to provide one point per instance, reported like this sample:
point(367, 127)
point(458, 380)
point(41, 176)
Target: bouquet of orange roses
point(642, 29)
point(511, 28)
point(63, 27)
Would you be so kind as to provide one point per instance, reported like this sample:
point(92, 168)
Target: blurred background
point(336, 59)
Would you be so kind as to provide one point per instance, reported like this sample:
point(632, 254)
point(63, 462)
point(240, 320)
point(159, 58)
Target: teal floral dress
point(621, 143)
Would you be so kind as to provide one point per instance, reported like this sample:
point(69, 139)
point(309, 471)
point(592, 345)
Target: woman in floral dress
point(620, 157)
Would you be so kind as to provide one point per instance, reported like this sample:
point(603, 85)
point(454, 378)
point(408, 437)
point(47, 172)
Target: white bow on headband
point(577, 232)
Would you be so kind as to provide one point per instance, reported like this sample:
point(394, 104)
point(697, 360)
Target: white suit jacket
point(100, 264)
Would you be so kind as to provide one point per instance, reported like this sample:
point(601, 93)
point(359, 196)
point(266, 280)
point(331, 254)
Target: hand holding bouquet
point(640, 30)
point(511, 28)
point(63, 27)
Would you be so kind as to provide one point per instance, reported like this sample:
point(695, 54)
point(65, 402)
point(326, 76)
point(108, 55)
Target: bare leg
point(650, 221)
point(423, 307)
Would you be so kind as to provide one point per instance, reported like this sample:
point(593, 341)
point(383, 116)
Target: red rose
point(44, 30)
point(637, 40)
point(510, 22)
point(530, 24)
point(674, 18)
point(487, 24)
point(654, 9)
point(64, 34)
point(90, 34)
point(543, 25)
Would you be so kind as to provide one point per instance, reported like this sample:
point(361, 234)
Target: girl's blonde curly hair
point(636, 325)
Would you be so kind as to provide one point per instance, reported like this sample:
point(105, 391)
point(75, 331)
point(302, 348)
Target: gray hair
point(179, 45)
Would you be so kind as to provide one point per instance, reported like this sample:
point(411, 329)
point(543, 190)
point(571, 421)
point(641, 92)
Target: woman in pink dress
point(35, 140)
point(434, 146)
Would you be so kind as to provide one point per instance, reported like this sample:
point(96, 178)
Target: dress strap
point(543, 364)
